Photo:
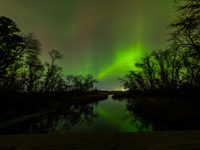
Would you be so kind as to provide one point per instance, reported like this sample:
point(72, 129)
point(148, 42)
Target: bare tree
point(53, 72)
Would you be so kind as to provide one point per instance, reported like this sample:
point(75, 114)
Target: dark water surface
point(101, 117)
point(110, 118)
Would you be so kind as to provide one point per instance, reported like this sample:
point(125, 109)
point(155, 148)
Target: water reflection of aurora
point(106, 116)
point(110, 118)
point(113, 114)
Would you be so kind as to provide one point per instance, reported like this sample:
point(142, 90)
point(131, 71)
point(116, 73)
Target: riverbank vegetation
point(168, 81)
point(176, 68)
point(165, 87)
point(29, 85)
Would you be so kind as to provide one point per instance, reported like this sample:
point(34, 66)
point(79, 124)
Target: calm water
point(103, 116)
point(110, 118)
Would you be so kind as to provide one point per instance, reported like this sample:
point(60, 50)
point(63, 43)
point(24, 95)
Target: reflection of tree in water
point(160, 119)
point(78, 114)
point(63, 119)
point(139, 120)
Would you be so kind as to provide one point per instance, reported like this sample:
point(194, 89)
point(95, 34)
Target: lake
point(101, 117)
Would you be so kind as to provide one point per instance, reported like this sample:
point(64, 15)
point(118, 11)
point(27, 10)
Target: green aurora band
point(104, 38)
point(124, 60)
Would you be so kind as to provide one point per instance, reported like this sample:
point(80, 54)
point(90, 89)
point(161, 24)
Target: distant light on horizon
point(104, 38)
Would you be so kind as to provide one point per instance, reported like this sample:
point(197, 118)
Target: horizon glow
point(99, 37)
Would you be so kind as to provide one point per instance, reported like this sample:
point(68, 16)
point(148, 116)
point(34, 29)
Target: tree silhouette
point(186, 29)
point(148, 67)
point(53, 72)
point(34, 74)
point(168, 66)
point(22, 71)
point(15, 52)
point(81, 84)
point(186, 35)
point(177, 67)
point(11, 44)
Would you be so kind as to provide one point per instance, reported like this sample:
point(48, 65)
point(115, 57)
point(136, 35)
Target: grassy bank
point(173, 140)
point(175, 111)
point(122, 95)
point(28, 105)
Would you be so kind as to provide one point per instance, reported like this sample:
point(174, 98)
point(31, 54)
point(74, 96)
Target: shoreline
point(53, 105)
point(164, 140)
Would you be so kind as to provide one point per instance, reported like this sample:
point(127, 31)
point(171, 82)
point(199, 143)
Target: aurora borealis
point(100, 37)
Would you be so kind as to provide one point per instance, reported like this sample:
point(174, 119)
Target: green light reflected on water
point(110, 119)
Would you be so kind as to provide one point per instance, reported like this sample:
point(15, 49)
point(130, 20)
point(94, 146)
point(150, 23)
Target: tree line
point(22, 71)
point(176, 67)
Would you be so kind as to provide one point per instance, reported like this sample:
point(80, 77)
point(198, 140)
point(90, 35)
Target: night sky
point(100, 37)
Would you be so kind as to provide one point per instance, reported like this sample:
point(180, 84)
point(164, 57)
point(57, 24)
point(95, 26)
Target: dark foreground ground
point(170, 140)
